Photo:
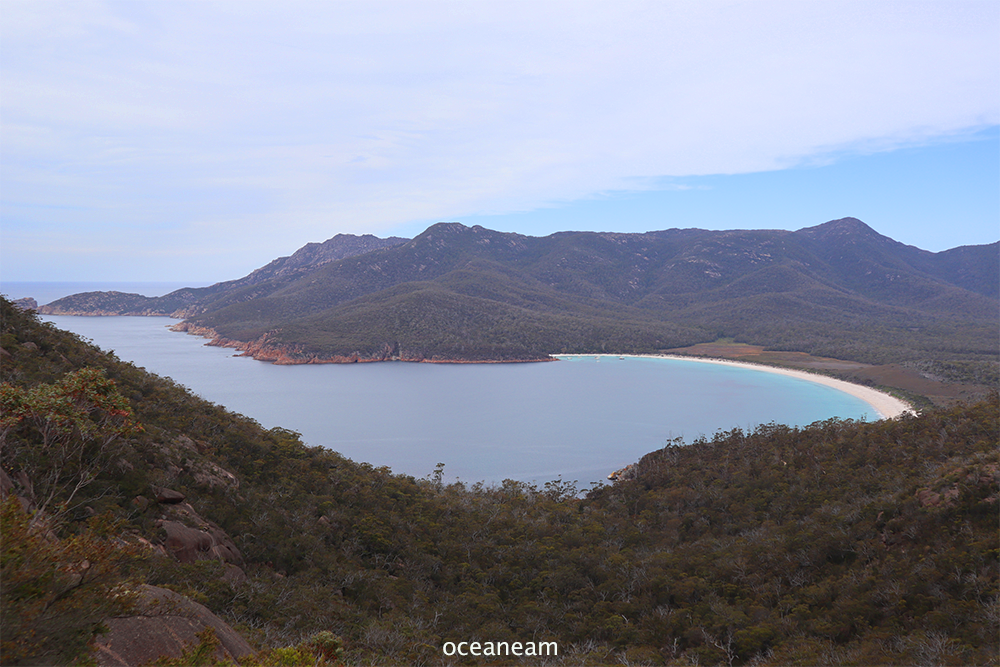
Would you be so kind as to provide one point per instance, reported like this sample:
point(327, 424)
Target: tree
point(57, 593)
point(57, 438)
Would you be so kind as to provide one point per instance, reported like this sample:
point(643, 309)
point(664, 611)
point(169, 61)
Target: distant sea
point(47, 292)
point(576, 419)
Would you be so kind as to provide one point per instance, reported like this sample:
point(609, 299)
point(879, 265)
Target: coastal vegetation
point(838, 543)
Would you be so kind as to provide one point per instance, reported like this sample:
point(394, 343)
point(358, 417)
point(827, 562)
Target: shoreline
point(886, 406)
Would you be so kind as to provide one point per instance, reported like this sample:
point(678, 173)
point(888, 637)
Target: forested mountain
point(301, 261)
point(454, 292)
point(838, 543)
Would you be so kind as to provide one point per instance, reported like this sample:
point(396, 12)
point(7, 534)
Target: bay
point(576, 419)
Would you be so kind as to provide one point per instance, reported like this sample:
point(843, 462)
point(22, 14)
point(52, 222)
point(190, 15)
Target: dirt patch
point(726, 350)
point(937, 392)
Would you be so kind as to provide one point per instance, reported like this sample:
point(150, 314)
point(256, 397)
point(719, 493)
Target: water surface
point(577, 418)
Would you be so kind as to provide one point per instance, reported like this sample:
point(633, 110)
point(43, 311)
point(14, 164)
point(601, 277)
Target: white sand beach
point(885, 405)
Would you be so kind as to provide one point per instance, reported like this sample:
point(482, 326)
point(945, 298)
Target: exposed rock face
point(190, 538)
point(168, 496)
point(628, 472)
point(184, 457)
point(930, 498)
point(164, 625)
point(183, 534)
point(27, 303)
point(950, 486)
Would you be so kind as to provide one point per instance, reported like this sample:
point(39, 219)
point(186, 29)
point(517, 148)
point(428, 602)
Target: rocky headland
point(105, 304)
point(265, 348)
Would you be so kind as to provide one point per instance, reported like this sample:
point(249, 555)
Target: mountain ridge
point(472, 294)
point(311, 255)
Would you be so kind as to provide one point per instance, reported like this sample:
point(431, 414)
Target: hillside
point(458, 293)
point(841, 542)
point(306, 258)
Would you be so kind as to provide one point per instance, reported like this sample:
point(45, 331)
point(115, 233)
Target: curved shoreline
point(885, 405)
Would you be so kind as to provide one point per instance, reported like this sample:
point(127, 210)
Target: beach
point(885, 405)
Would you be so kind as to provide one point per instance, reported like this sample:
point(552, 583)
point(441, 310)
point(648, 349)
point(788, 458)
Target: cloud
point(358, 116)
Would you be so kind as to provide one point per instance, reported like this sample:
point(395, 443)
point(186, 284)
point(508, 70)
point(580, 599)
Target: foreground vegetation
point(839, 543)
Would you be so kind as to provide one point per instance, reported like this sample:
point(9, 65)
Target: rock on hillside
point(165, 624)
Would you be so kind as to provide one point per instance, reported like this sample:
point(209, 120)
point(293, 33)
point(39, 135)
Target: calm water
point(578, 419)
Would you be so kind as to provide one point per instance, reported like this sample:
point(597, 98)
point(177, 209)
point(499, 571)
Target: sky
point(196, 141)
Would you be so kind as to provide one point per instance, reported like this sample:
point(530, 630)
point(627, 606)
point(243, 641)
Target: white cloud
point(357, 116)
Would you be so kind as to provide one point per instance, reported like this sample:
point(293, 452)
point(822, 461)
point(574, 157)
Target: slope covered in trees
point(838, 543)
point(838, 289)
point(303, 260)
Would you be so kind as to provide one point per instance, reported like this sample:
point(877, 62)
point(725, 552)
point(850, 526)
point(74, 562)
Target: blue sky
point(196, 141)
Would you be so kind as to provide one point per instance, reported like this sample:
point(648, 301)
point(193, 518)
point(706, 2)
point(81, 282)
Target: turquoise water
point(577, 419)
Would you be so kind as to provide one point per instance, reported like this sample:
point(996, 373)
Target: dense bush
point(842, 542)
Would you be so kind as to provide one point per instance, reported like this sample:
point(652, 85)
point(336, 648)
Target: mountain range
point(458, 293)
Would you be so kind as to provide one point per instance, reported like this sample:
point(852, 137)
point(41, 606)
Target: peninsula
point(838, 290)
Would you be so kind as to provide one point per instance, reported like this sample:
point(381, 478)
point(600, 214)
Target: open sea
point(577, 419)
